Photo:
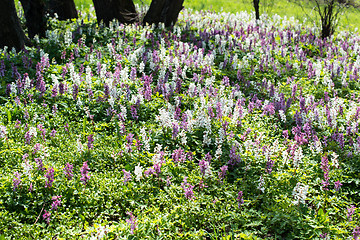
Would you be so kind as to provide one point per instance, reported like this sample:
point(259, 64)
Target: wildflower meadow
point(222, 127)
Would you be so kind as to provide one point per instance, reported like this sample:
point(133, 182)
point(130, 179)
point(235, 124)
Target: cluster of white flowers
point(285, 156)
point(145, 139)
point(79, 145)
point(165, 118)
point(100, 232)
point(316, 147)
point(282, 116)
point(3, 131)
point(33, 132)
point(335, 160)
point(27, 168)
point(298, 156)
point(299, 193)
point(261, 185)
point(138, 172)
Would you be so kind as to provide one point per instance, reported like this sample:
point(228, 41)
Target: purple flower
point(323, 235)
point(350, 212)
point(240, 199)
point(149, 171)
point(269, 109)
point(189, 194)
point(356, 233)
point(56, 202)
point(222, 172)
point(204, 166)
point(202, 184)
point(130, 138)
point(325, 167)
point(188, 189)
point(49, 177)
point(37, 148)
point(17, 123)
point(127, 176)
point(16, 180)
point(54, 91)
point(168, 182)
point(42, 130)
point(68, 171)
point(46, 216)
point(84, 170)
point(134, 112)
point(28, 137)
point(175, 130)
point(90, 141)
point(157, 168)
point(338, 185)
point(40, 165)
point(75, 91)
point(53, 132)
point(269, 166)
point(208, 157)
point(132, 222)
point(178, 155)
point(218, 110)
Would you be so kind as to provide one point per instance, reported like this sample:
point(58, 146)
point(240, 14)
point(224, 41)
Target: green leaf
point(9, 115)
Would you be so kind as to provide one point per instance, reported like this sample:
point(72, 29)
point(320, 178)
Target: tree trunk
point(11, 33)
point(257, 10)
point(34, 11)
point(165, 11)
point(65, 9)
point(122, 10)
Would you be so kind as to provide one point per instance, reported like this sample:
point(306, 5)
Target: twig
point(39, 214)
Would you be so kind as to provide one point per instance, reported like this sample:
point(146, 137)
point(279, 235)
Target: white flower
point(298, 156)
point(183, 137)
point(335, 161)
point(27, 167)
point(32, 131)
point(3, 132)
point(138, 172)
point(207, 139)
point(282, 116)
point(79, 145)
point(285, 156)
point(299, 193)
point(261, 184)
point(218, 152)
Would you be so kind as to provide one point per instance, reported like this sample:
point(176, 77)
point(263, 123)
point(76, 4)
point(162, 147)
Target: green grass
point(349, 21)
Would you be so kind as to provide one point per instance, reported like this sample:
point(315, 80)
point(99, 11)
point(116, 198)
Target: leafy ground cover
point(218, 128)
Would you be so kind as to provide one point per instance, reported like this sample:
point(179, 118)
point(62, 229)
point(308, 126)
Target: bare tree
point(34, 11)
point(122, 10)
point(257, 8)
point(65, 9)
point(11, 33)
point(329, 12)
point(165, 11)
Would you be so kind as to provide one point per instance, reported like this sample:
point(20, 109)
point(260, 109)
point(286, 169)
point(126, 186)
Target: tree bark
point(65, 9)
point(122, 10)
point(257, 10)
point(165, 11)
point(34, 11)
point(11, 33)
